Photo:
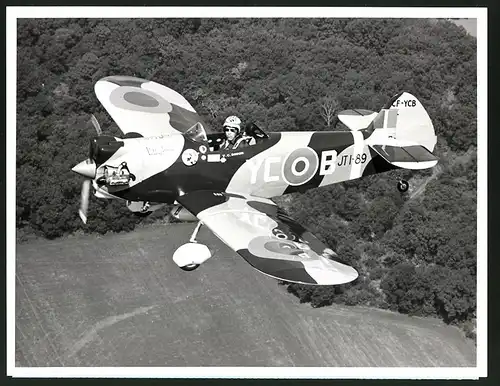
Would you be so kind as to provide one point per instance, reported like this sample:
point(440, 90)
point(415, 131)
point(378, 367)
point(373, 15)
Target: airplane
point(168, 155)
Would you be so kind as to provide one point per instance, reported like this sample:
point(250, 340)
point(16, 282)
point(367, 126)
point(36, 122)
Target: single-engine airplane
point(166, 156)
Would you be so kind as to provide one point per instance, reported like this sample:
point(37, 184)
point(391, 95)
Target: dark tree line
point(415, 254)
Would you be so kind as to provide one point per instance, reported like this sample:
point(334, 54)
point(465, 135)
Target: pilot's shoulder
point(248, 139)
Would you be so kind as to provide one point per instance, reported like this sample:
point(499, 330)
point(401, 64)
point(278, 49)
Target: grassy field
point(120, 300)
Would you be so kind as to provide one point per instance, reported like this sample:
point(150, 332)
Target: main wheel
point(142, 214)
point(190, 267)
point(403, 186)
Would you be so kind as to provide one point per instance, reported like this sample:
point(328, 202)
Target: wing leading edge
point(267, 239)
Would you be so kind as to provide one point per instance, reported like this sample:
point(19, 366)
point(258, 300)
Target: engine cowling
point(102, 147)
point(182, 214)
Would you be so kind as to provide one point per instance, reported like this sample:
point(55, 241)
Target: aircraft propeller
point(96, 124)
point(87, 169)
point(84, 204)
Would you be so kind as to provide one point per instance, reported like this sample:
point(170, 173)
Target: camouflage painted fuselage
point(283, 163)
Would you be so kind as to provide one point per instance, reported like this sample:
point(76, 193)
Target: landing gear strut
point(144, 212)
point(195, 233)
point(192, 267)
point(403, 186)
point(139, 208)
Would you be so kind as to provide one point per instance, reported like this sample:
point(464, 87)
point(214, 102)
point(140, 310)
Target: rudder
point(403, 120)
point(403, 134)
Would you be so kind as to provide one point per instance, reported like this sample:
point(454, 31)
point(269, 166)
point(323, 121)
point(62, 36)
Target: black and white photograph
point(246, 192)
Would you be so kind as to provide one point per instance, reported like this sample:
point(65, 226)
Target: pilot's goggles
point(231, 129)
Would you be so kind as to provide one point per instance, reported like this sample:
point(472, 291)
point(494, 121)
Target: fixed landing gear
point(142, 214)
point(195, 233)
point(192, 240)
point(191, 255)
point(190, 267)
point(403, 186)
point(139, 208)
point(145, 210)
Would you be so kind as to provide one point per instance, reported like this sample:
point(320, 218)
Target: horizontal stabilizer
point(357, 119)
point(407, 157)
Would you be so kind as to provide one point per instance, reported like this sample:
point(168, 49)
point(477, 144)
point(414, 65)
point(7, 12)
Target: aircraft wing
point(145, 107)
point(266, 238)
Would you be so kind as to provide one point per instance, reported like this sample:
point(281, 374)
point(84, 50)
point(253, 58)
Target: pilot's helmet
point(234, 122)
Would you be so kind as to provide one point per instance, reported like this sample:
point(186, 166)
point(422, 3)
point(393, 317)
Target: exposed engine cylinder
point(182, 214)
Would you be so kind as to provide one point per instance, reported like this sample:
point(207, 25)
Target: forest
point(415, 251)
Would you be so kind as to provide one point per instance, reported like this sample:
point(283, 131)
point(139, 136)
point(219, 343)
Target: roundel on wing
point(139, 99)
point(300, 166)
point(272, 248)
point(282, 248)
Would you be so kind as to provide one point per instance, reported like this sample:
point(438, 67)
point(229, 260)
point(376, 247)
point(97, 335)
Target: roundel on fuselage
point(300, 166)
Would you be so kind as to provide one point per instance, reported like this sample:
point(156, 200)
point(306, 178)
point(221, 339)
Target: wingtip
point(334, 274)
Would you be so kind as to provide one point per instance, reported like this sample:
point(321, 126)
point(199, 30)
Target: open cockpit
point(213, 141)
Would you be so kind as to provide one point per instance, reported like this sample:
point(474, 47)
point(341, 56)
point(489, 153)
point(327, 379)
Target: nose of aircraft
point(86, 168)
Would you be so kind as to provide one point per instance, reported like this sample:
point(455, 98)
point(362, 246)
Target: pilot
point(235, 137)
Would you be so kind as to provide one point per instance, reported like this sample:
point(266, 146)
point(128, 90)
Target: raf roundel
point(300, 166)
point(139, 99)
point(190, 157)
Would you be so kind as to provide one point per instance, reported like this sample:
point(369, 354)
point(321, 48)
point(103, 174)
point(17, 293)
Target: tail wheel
point(403, 186)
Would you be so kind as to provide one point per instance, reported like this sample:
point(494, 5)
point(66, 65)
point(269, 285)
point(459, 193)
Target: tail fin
point(403, 133)
point(403, 119)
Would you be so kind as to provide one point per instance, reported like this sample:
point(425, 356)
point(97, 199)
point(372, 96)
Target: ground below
point(120, 300)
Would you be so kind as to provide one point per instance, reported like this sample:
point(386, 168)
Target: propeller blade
point(95, 122)
point(84, 204)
